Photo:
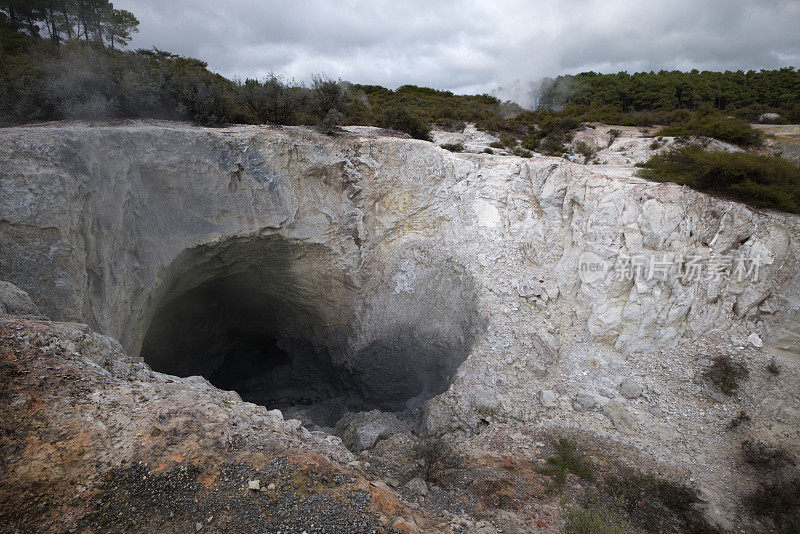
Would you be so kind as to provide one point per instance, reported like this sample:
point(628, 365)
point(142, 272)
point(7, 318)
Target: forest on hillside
point(66, 59)
point(756, 91)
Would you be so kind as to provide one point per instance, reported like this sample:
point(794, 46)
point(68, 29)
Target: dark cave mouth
point(269, 351)
point(237, 338)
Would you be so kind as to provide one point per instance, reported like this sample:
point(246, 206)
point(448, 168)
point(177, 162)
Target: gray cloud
point(470, 46)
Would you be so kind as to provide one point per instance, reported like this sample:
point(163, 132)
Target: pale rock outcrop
point(472, 139)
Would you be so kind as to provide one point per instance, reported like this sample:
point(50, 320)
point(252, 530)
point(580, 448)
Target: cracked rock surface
point(403, 278)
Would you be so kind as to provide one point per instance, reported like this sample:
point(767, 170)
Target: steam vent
point(261, 328)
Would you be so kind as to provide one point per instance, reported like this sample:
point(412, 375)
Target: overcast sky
point(470, 46)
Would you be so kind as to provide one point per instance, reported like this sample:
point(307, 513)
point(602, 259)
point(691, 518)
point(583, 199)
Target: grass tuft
point(658, 504)
point(593, 520)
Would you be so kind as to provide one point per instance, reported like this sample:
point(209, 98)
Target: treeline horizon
point(63, 59)
point(667, 90)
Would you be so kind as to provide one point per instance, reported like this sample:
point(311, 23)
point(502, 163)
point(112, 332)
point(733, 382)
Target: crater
point(281, 324)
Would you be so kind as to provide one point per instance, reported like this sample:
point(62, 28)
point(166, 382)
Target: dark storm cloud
point(472, 46)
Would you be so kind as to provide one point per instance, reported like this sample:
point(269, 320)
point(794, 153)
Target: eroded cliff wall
point(500, 284)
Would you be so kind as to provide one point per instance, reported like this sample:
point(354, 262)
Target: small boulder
point(15, 301)
point(417, 485)
point(361, 430)
point(585, 402)
point(529, 289)
point(630, 388)
point(366, 436)
point(755, 340)
point(549, 399)
point(254, 485)
point(620, 418)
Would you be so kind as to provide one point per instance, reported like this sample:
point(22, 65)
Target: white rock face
point(769, 117)
point(467, 262)
point(631, 145)
point(94, 218)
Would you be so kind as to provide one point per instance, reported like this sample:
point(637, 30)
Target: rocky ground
point(609, 146)
point(783, 139)
point(94, 441)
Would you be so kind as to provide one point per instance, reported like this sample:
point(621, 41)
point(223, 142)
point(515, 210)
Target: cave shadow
point(255, 316)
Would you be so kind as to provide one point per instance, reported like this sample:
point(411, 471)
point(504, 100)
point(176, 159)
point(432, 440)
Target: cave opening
point(237, 338)
point(273, 321)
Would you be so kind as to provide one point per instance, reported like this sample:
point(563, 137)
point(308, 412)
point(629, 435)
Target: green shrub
point(497, 144)
point(559, 124)
point(530, 142)
point(508, 140)
point(434, 455)
point(657, 504)
point(759, 180)
point(24, 96)
point(521, 152)
point(567, 460)
point(328, 95)
point(402, 119)
point(552, 145)
point(677, 116)
point(330, 122)
point(585, 150)
point(450, 124)
point(80, 82)
point(726, 374)
point(453, 147)
point(272, 100)
point(766, 457)
point(733, 131)
point(594, 520)
point(204, 100)
point(779, 500)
